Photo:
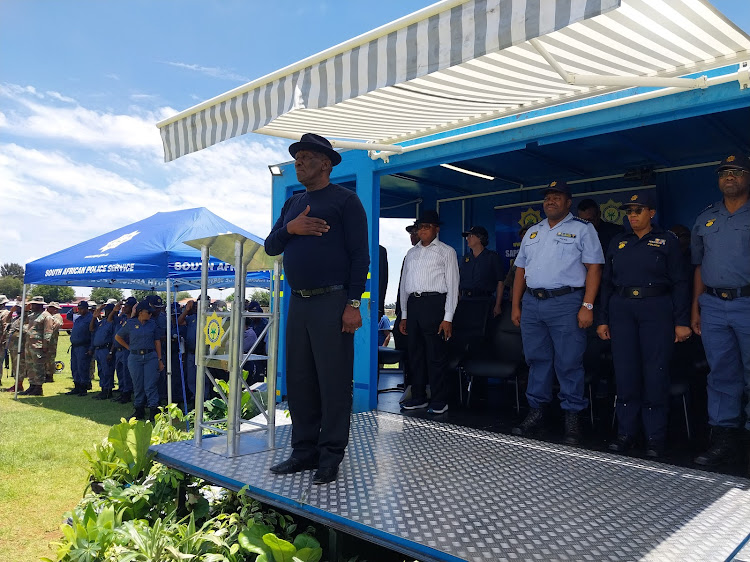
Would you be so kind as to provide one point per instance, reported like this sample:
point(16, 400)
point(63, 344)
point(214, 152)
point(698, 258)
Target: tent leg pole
point(19, 351)
point(169, 342)
point(200, 350)
point(236, 332)
point(271, 352)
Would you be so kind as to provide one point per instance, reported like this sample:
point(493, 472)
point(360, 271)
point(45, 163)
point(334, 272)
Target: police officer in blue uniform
point(144, 361)
point(80, 349)
point(101, 343)
point(160, 318)
point(644, 311)
point(480, 271)
point(721, 306)
point(558, 271)
point(188, 322)
point(121, 313)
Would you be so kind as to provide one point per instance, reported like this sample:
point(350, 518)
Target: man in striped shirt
point(428, 297)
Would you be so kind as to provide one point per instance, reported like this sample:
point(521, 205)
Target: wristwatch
point(588, 305)
point(354, 303)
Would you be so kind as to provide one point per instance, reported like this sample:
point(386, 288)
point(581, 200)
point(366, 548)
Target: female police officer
point(144, 361)
point(644, 310)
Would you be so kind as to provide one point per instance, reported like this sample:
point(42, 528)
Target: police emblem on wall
point(611, 211)
point(530, 217)
point(214, 330)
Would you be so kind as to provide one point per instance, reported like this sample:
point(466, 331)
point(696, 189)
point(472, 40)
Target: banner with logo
point(509, 219)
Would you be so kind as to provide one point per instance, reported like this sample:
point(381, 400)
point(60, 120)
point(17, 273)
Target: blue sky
point(82, 84)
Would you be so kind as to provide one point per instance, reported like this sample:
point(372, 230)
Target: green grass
point(41, 460)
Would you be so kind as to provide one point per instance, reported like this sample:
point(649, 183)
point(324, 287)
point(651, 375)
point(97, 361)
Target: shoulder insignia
point(673, 235)
point(711, 206)
point(622, 244)
point(533, 235)
point(579, 219)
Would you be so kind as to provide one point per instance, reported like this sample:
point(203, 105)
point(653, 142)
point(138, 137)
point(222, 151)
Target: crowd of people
point(579, 286)
point(124, 340)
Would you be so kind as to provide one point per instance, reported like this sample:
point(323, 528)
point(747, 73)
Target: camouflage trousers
point(51, 356)
point(13, 359)
point(36, 366)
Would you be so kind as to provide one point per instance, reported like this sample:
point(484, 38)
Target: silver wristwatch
point(588, 305)
point(354, 303)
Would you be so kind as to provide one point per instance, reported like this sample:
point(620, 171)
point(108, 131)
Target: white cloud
point(58, 96)
point(213, 71)
point(112, 76)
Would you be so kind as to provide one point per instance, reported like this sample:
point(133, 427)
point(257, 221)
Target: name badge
point(656, 242)
point(566, 234)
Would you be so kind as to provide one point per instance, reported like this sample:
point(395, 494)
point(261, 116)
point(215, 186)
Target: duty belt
point(550, 293)
point(141, 351)
point(101, 346)
point(307, 293)
point(475, 293)
point(641, 292)
point(729, 294)
point(421, 294)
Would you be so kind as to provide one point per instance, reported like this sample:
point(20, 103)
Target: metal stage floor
point(437, 491)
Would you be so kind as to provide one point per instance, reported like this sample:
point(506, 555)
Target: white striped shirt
point(431, 268)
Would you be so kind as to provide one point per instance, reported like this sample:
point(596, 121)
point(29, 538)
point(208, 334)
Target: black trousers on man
point(428, 352)
point(319, 370)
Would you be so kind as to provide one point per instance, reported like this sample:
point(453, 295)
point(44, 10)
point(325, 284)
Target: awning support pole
point(169, 341)
point(200, 350)
point(625, 81)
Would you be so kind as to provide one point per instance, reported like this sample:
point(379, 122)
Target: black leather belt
point(307, 293)
point(475, 293)
point(641, 292)
point(729, 294)
point(101, 346)
point(141, 351)
point(550, 293)
point(419, 295)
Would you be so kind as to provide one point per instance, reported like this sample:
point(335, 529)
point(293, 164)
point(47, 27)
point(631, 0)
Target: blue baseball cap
point(144, 305)
point(558, 187)
point(155, 301)
point(738, 161)
point(130, 301)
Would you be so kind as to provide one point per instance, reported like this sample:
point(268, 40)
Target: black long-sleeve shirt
point(340, 257)
point(652, 261)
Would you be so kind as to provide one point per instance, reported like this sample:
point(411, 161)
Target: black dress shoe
point(533, 422)
point(724, 447)
point(654, 448)
point(325, 474)
point(622, 444)
point(573, 430)
point(292, 465)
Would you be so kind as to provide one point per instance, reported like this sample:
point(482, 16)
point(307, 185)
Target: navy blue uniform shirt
point(119, 321)
point(340, 257)
point(191, 321)
point(104, 333)
point(720, 244)
point(480, 273)
point(652, 261)
point(142, 336)
point(80, 334)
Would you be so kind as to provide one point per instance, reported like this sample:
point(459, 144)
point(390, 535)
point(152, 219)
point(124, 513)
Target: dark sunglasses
point(634, 210)
point(731, 173)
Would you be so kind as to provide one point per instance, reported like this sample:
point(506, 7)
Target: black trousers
point(642, 342)
point(428, 352)
point(319, 370)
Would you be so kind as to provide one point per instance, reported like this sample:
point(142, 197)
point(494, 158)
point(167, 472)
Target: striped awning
point(460, 62)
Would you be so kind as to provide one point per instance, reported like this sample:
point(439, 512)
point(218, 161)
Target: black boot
point(573, 430)
point(83, 390)
point(724, 447)
point(35, 390)
point(49, 378)
point(654, 448)
point(139, 413)
point(533, 422)
point(152, 415)
point(622, 444)
point(124, 398)
point(75, 391)
point(105, 394)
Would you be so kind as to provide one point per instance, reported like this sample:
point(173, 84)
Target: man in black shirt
point(323, 235)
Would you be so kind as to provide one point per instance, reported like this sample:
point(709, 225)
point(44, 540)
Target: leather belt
point(475, 293)
point(641, 292)
point(729, 294)
point(141, 351)
point(101, 346)
point(543, 294)
point(419, 295)
point(307, 293)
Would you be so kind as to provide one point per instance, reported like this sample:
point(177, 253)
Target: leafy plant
point(131, 440)
point(104, 464)
point(89, 535)
point(260, 539)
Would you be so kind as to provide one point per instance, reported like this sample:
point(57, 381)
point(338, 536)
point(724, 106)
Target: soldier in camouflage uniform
point(54, 309)
point(5, 319)
point(13, 332)
point(40, 326)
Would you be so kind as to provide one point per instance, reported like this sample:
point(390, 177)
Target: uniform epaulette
point(711, 206)
point(673, 235)
point(579, 219)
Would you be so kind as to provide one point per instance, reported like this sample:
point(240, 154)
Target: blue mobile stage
point(471, 107)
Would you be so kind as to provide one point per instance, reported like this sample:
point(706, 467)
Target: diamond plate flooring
point(438, 491)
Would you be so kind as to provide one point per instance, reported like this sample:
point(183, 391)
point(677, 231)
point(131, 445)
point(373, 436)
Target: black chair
point(501, 356)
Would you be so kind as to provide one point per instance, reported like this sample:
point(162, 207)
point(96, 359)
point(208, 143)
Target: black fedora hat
point(429, 217)
point(315, 143)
